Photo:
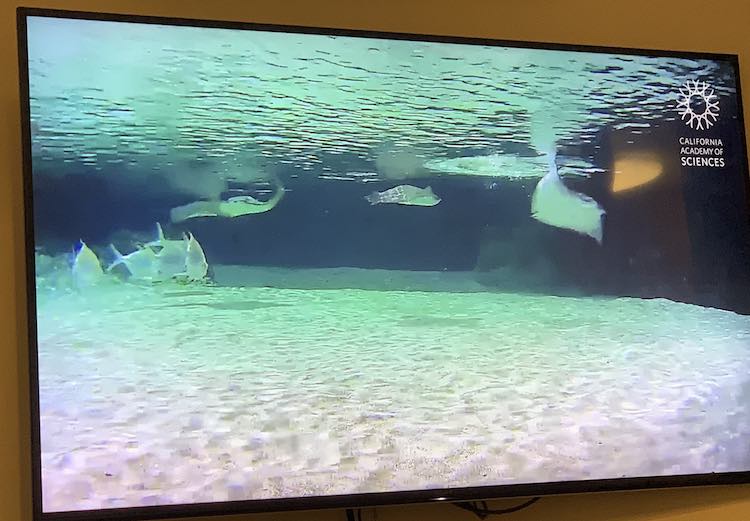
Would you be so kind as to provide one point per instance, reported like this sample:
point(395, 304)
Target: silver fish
point(141, 263)
point(87, 270)
point(196, 266)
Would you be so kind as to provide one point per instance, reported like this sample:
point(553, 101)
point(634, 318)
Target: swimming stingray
point(405, 194)
point(232, 207)
point(555, 204)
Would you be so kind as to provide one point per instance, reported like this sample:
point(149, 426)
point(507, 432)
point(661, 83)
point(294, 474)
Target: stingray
point(504, 165)
point(405, 194)
point(233, 207)
point(555, 204)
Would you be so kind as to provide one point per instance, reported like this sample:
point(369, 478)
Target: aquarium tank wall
point(277, 267)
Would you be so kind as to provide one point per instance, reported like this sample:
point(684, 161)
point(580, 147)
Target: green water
point(156, 100)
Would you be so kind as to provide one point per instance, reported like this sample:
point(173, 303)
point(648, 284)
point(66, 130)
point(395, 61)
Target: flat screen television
point(281, 267)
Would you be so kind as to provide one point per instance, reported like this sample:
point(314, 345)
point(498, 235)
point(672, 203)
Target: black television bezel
point(137, 513)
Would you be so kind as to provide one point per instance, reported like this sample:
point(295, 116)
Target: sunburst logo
point(698, 105)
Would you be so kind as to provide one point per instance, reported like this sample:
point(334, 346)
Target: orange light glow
point(632, 170)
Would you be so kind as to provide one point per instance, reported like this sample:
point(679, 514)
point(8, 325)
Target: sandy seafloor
point(174, 394)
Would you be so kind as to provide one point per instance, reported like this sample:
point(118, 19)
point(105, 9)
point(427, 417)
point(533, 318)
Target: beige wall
point(722, 26)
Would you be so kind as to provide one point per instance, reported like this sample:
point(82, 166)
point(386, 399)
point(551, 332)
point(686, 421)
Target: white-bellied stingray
point(232, 207)
point(555, 204)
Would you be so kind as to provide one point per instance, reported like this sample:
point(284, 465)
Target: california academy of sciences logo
point(698, 105)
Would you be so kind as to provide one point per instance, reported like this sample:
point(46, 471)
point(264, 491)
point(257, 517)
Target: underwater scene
point(273, 265)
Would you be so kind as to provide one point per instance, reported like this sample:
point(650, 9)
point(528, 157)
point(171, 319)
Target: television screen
point(280, 267)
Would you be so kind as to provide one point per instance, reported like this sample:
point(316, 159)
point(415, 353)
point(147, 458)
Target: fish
point(161, 241)
point(232, 207)
point(406, 195)
point(86, 269)
point(196, 265)
point(162, 259)
point(555, 204)
point(142, 263)
point(171, 259)
point(171, 255)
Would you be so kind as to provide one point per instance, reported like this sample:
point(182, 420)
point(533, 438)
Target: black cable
point(482, 511)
